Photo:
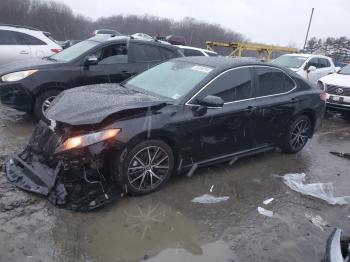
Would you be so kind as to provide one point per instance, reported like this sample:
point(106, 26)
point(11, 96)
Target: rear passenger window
point(30, 40)
point(191, 52)
point(232, 86)
point(10, 38)
point(146, 53)
point(272, 81)
point(166, 53)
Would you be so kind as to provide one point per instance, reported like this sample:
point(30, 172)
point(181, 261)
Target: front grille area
point(43, 140)
point(332, 89)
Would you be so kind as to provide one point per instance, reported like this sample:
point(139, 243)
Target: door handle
point(23, 52)
point(251, 109)
point(294, 100)
point(125, 72)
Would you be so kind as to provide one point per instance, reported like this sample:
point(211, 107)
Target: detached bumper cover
point(37, 170)
point(34, 177)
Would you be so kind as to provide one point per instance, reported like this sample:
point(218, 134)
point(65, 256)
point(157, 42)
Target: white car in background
point(337, 87)
point(309, 66)
point(194, 51)
point(21, 43)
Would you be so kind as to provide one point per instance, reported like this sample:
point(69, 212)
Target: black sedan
point(108, 140)
point(31, 86)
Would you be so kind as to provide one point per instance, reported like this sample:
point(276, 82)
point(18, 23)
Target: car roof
point(19, 28)
point(108, 38)
point(306, 55)
point(195, 48)
point(221, 62)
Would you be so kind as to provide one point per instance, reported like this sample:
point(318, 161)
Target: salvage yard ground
point(166, 225)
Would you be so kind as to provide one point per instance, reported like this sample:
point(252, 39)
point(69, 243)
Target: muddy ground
point(167, 226)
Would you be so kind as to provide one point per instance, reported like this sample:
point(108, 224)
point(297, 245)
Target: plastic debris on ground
point(317, 221)
point(324, 191)
point(265, 212)
point(268, 201)
point(209, 199)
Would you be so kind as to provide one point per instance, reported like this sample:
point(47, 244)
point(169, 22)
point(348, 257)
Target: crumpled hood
point(337, 80)
point(28, 64)
point(92, 104)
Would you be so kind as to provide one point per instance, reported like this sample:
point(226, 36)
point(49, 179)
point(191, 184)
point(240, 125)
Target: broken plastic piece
point(317, 221)
point(341, 154)
point(211, 188)
point(268, 201)
point(324, 191)
point(265, 212)
point(209, 199)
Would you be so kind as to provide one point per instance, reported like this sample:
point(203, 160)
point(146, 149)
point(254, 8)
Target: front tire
point(43, 102)
point(147, 167)
point(297, 135)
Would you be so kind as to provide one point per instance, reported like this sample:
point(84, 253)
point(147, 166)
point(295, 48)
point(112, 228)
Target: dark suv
point(31, 86)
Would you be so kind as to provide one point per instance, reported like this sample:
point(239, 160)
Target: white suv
point(309, 66)
point(20, 43)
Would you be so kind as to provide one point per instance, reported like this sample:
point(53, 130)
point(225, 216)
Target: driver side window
point(313, 62)
point(233, 85)
point(112, 54)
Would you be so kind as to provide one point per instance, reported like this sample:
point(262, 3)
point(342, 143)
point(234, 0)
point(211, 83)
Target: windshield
point(290, 61)
point(74, 51)
point(172, 79)
point(345, 70)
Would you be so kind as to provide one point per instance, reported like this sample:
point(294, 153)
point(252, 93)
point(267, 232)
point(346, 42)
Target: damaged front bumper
point(73, 181)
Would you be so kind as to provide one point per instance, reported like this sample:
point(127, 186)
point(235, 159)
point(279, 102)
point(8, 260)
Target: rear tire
point(297, 135)
point(147, 167)
point(42, 102)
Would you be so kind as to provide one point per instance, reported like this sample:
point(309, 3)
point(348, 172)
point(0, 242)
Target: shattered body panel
point(66, 179)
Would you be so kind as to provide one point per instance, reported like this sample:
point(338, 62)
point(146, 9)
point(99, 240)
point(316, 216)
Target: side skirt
point(232, 157)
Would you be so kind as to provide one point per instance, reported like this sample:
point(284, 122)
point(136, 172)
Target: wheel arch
point(168, 137)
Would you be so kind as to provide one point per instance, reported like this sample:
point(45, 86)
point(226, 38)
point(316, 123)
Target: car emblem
point(339, 91)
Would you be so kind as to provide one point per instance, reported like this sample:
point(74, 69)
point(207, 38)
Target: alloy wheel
point(300, 134)
point(148, 168)
point(46, 104)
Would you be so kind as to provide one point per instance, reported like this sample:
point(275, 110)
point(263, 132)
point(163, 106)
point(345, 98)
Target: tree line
point(337, 48)
point(59, 19)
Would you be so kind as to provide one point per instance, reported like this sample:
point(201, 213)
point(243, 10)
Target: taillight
point(56, 50)
point(324, 96)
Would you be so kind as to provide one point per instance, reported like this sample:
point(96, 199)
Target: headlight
point(321, 85)
point(16, 76)
point(88, 139)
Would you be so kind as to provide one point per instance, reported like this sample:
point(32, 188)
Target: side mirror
point(337, 69)
point(311, 69)
point(211, 101)
point(91, 60)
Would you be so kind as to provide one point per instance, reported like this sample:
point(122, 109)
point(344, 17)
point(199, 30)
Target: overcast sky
point(280, 22)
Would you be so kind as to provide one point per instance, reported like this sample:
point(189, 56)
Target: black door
point(226, 130)
point(276, 103)
point(113, 65)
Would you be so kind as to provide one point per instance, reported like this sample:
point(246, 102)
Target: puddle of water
point(216, 251)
